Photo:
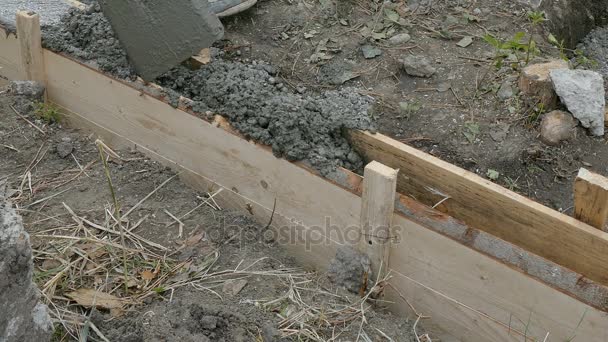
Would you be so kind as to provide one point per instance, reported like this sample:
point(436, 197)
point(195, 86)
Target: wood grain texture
point(477, 298)
point(535, 82)
point(591, 198)
point(377, 207)
point(30, 43)
point(491, 208)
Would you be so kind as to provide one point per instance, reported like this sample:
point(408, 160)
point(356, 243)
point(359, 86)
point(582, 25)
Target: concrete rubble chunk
point(23, 317)
point(582, 92)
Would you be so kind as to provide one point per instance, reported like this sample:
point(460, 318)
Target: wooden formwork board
point(491, 208)
point(471, 295)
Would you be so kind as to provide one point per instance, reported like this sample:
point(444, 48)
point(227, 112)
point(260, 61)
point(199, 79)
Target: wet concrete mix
point(308, 127)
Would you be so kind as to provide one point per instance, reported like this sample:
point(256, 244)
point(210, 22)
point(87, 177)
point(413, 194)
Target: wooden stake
point(591, 198)
point(30, 43)
point(377, 206)
point(535, 81)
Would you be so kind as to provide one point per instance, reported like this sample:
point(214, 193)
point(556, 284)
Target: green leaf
point(491, 40)
point(471, 132)
point(410, 107)
point(472, 127)
point(532, 45)
point(551, 38)
point(493, 174)
point(519, 36)
point(159, 289)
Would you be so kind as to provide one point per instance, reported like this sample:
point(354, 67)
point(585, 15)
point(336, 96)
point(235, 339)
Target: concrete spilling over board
point(490, 266)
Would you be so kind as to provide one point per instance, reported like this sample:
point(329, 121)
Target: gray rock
point(556, 127)
point(31, 89)
point(582, 92)
point(505, 91)
point(370, 51)
point(418, 66)
point(571, 20)
point(399, 39)
point(595, 46)
point(64, 148)
point(465, 41)
point(499, 132)
point(348, 268)
point(22, 317)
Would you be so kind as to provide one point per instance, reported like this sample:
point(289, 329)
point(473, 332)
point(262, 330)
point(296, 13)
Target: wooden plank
point(591, 198)
point(377, 207)
point(30, 43)
point(477, 298)
point(491, 208)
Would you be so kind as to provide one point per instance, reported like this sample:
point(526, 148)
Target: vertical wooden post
point(377, 207)
point(30, 43)
point(591, 198)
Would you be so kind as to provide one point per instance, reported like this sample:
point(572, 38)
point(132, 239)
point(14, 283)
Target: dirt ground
point(456, 114)
point(224, 279)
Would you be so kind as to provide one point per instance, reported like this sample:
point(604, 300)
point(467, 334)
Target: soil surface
point(458, 114)
point(467, 112)
point(224, 279)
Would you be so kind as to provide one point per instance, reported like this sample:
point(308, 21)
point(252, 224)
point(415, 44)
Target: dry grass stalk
point(104, 160)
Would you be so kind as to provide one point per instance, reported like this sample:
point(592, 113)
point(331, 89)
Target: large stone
point(571, 20)
point(556, 127)
point(582, 92)
point(22, 317)
point(159, 34)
